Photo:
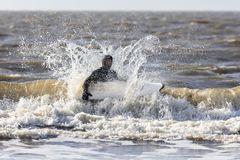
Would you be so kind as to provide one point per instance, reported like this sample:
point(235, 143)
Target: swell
point(54, 88)
point(210, 96)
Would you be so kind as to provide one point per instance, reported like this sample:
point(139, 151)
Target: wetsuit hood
point(105, 59)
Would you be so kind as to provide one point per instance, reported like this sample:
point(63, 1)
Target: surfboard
point(122, 89)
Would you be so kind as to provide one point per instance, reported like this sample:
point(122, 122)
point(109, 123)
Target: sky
point(122, 5)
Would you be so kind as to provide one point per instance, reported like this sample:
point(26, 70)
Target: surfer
point(103, 74)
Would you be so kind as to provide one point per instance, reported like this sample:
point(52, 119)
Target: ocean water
point(45, 57)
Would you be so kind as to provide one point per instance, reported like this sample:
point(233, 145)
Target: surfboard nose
point(163, 85)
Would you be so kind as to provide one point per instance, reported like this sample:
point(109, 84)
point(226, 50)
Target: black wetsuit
point(102, 74)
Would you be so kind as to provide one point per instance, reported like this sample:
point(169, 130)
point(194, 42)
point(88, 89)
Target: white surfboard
point(121, 89)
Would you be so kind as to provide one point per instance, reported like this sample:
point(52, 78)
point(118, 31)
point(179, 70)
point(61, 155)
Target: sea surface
point(45, 57)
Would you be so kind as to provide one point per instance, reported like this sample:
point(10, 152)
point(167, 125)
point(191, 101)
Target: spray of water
point(73, 63)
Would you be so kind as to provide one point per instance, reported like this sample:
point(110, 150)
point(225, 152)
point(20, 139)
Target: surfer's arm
point(93, 78)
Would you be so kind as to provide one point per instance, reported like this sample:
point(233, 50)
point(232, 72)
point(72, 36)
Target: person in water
point(103, 74)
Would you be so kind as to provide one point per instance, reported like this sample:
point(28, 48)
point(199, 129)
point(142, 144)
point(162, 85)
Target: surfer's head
point(107, 61)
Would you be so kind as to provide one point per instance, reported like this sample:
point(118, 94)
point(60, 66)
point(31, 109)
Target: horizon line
point(90, 10)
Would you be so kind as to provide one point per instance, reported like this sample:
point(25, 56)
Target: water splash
point(66, 58)
point(73, 63)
